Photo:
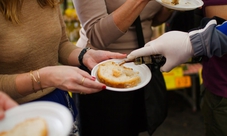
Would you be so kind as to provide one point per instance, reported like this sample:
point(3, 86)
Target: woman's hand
point(93, 57)
point(69, 78)
point(5, 103)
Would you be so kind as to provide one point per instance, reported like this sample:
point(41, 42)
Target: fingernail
point(103, 87)
point(93, 77)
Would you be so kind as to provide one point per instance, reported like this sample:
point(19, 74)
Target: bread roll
point(30, 127)
point(114, 75)
point(174, 2)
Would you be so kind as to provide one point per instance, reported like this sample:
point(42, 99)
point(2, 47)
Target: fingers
point(114, 55)
point(85, 75)
point(82, 81)
point(170, 64)
point(5, 103)
point(88, 86)
point(145, 51)
point(166, 68)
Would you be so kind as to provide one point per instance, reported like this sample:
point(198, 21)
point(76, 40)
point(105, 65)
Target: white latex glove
point(174, 45)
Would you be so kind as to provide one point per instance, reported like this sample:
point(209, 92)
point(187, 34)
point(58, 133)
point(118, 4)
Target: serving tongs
point(124, 61)
point(157, 60)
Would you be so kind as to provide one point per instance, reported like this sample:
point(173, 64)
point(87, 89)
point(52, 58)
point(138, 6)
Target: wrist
point(81, 56)
point(47, 76)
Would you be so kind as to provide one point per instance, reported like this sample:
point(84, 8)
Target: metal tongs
point(157, 60)
point(122, 63)
point(125, 61)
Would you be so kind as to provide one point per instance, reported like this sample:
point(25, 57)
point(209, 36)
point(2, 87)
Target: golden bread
point(30, 127)
point(118, 76)
point(173, 2)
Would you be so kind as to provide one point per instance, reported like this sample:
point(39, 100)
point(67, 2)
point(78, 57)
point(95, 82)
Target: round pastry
point(174, 2)
point(30, 127)
point(118, 76)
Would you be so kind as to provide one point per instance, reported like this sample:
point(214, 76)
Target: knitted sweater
point(39, 40)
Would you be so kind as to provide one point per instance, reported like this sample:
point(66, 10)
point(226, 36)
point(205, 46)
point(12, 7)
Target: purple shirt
point(214, 2)
point(215, 68)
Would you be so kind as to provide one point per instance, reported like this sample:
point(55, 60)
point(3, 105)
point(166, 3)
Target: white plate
point(58, 118)
point(144, 73)
point(184, 5)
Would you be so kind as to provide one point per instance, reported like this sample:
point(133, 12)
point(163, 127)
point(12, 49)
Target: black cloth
point(155, 92)
point(184, 21)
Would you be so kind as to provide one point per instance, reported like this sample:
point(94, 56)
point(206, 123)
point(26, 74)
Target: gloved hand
point(174, 45)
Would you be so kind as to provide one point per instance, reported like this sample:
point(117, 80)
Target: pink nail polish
point(93, 77)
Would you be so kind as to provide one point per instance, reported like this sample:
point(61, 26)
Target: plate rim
point(41, 105)
point(175, 7)
point(123, 89)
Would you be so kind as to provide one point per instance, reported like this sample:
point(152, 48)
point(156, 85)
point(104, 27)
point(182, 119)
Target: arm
point(202, 42)
point(64, 77)
point(106, 21)
point(211, 40)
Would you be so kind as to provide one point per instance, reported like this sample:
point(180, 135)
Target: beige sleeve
point(97, 22)
point(66, 47)
point(7, 85)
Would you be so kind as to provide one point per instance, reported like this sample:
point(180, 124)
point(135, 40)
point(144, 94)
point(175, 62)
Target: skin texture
point(5, 103)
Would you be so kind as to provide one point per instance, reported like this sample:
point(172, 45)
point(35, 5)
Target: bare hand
point(93, 57)
point(5, 103)
point(71, 79)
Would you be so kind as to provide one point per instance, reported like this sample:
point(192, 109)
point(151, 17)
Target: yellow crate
point(175, 79)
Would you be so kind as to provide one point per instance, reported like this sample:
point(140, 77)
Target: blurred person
point(38, 63)
point(111, 25)
point(214, 72)
point(5, 103)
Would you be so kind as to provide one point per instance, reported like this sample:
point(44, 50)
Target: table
point(184, 77)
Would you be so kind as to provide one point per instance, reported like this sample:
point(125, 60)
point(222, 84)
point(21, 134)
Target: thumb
point(172, 62)
point(166, 68)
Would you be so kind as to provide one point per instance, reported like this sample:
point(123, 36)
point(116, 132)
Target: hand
point(93, 57)
point(5, 103)
point(174, 45)
point(69, 78)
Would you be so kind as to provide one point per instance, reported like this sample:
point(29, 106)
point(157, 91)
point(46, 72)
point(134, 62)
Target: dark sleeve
point(210, 39)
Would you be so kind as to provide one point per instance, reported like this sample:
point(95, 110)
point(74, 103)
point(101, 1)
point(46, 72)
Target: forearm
point(73, 57)
point(105, 22)
point(20, 85)
point(25, 84)
point(209, 42)
point(37, 80)
point(128, 13)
